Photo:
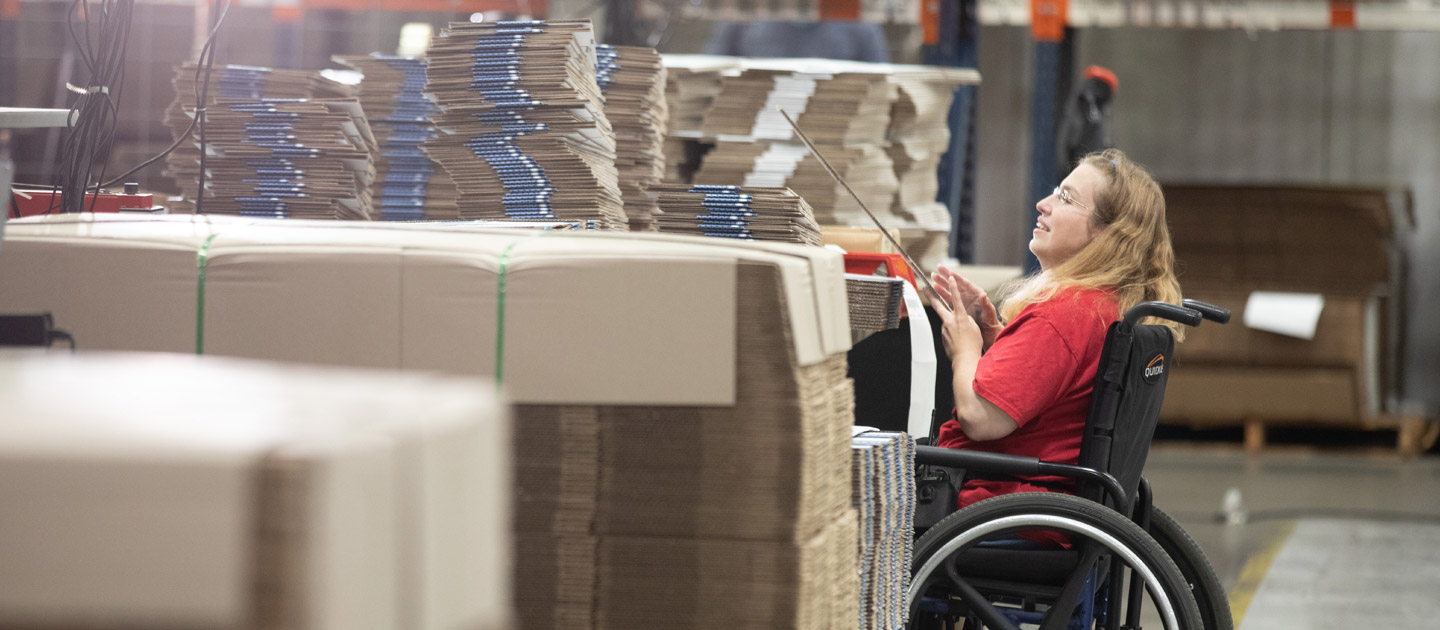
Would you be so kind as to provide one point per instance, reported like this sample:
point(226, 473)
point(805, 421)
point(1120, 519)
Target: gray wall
point(1223, 106)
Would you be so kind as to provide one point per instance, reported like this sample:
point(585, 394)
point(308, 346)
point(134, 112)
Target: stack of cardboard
point(1333, 243)
point(755, 214)
point(919, 131)
point(231, 82)
point(664, 478)
point(690, 88)
point(865, 167)
point(883, 493)
point(633, 82)
point(872, 11)
point(874, 301)
point(694, 82)
point(409, 186)
point(833, 104)
point(882, 126)
point(164, 491)
point(290, 158)
point(844, 108)
point(525, 135)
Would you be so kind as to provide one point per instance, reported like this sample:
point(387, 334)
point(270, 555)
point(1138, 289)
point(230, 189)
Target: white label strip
point(791, 93)
point(922, 365)
point(776, 165)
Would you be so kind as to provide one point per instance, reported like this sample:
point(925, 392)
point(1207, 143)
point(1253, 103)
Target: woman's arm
point(980, 419)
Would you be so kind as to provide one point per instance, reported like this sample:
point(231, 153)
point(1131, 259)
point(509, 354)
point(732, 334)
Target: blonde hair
point(1130, 255)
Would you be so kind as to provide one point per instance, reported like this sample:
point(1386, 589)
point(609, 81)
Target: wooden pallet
point(1414, 433)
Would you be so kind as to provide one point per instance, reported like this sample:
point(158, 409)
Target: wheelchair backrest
point(1125, 407)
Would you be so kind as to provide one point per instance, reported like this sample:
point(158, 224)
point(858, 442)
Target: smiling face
point(1065, 228)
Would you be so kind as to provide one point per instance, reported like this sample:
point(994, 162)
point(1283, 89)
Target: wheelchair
point(974, 568)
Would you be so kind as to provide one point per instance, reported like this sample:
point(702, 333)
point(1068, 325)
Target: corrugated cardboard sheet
point(166, 491)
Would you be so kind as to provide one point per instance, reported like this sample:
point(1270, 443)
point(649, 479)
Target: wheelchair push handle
point(1209, 311)
point(1187, 316)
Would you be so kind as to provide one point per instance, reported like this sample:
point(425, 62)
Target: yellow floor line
point(1254, 573)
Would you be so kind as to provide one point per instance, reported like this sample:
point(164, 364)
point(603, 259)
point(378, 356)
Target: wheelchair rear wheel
point(939, 576)
point(1204, 584)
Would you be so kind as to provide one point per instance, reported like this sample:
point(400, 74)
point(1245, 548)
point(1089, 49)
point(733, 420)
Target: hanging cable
point(100, 38)
point(203, 104)
point(200, 67)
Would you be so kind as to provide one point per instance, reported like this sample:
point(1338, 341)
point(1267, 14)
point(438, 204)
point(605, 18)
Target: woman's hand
point(976, 303)
point(961, 334)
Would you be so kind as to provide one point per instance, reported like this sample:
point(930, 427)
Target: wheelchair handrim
point(1162, 599)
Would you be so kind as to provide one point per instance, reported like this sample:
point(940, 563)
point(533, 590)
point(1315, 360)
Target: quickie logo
point(1155, 368)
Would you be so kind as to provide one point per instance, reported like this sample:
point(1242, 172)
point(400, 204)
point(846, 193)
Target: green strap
point(500, 304)
point(201, 259)
point(500, 313)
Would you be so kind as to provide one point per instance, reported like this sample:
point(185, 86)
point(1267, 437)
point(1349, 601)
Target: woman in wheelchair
point(1024, 388)
point(1027, 408)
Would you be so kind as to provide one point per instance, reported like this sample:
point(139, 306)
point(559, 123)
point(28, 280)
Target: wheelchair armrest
point(977, 460)
point(1021, 465)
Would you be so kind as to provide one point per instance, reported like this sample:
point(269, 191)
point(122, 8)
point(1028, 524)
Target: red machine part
point(868, 263)
point(34, 202)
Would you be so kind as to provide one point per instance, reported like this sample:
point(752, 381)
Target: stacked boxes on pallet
point(165, 491)
point(682, 406)
point(1337, 243)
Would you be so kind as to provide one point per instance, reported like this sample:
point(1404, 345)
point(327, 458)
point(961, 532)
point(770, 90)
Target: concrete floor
point(1327, 540)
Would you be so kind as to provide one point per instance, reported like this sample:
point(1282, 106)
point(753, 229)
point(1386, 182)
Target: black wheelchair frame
point(1124, 411)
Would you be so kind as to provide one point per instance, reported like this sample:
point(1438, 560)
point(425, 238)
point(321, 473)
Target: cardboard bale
point(604, 448)
point(223, 493)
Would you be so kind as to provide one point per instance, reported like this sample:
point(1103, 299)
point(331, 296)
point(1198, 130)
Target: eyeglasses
point(1065, 198)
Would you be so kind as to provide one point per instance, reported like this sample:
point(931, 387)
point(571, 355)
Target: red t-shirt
point(1040, 371)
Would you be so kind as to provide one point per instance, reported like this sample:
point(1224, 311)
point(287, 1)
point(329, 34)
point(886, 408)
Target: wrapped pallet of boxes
point(171, 491)
point(1336, 247)
point(682, 418)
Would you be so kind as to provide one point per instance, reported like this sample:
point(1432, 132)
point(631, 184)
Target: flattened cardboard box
point(418, 299)
point(197, 492)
